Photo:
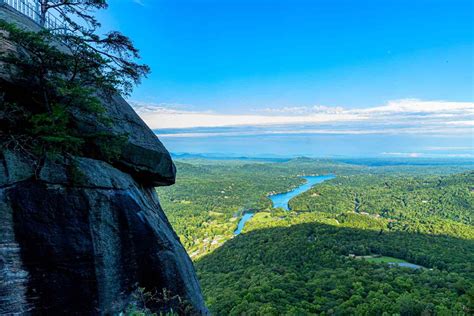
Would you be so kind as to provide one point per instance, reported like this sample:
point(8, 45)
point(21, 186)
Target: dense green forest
point(209, 196)
point(397, 197)
point(305, 261)
point(305, 269)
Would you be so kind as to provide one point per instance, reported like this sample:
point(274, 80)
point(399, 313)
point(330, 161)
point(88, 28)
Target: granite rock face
point(80, 236)
point(143, 155)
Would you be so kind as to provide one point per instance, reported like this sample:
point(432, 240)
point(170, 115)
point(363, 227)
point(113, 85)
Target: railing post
point(32, 10)
point(37, 11)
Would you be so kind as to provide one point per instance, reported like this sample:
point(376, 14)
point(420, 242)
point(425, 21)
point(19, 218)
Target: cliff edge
point(80, 234)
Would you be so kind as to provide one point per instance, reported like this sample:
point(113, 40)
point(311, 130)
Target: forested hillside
point(209, 196)
point(329, 254)
point(305, 269)
point(397, 197)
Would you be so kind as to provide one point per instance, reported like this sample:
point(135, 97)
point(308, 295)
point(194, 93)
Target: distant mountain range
point(219, 156)
point(366, 161)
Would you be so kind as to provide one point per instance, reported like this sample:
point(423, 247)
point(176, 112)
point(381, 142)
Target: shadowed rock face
point(143, 155)
point(85, 247)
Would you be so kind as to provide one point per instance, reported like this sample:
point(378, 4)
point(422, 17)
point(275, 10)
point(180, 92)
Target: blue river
point(282, 199)
point(242, 222)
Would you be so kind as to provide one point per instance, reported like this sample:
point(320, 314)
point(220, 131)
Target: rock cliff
point(79, 235)
point(84, 247)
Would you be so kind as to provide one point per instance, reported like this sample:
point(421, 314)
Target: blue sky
point(322, 78)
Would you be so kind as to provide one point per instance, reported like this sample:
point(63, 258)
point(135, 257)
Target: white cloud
point(419, 106)
point(268, 132)
point(460, 123)
point(144, 109)
point(161, 120)
point(159, 117)
point(396, 154)
point(448, 148)
point(297, 110)
point(424, 155)
point(409, 116)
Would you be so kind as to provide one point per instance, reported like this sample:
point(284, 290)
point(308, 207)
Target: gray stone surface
point(143, 155)
point(82, 237)
point(13, 276)
point(14, 168)
point(79, 235)
point(10, 15)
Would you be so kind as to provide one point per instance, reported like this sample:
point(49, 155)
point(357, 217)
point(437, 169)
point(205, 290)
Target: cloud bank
point(407, 116)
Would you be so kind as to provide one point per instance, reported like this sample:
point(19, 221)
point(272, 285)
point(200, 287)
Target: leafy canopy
point(80, 33)
point(46, 83)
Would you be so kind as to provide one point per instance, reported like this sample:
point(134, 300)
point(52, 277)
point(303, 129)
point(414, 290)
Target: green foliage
point(305, 267)
point(208, 198)
point(422, 199)
point(49, 85)
point(72, 11)
point(109, 147)
point(80, 34)
point(52, 132)
point(146, 303)
point(298, 263)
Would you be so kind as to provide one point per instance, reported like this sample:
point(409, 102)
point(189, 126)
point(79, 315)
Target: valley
point(160, 158)
point(298, 252)
point(281, 200)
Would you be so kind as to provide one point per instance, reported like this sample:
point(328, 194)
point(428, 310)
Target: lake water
point(406, 265)
point(282, 199)
point(242, 222)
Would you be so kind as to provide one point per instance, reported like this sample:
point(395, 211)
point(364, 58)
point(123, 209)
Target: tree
point(67, 9)
point(81, 34)
point(64, 72)
point(46, 86)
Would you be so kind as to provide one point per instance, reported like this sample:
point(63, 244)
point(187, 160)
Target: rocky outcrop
point(143, 155)
point(79, 236)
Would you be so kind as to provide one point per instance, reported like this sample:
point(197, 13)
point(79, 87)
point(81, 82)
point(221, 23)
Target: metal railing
point(31, 9)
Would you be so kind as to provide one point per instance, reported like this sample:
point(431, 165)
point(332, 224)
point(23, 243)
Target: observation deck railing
point(32, 10)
